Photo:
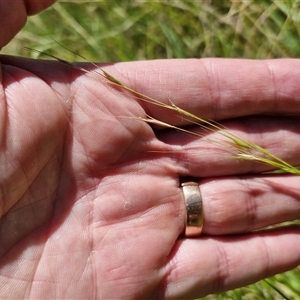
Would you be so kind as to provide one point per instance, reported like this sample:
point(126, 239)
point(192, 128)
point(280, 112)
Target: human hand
point(90, 199)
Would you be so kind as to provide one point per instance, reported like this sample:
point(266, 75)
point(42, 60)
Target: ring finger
point(235, 205)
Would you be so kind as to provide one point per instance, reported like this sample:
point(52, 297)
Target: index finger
point(216, 89)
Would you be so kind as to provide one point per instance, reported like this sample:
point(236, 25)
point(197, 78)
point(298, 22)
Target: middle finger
point(210, 154)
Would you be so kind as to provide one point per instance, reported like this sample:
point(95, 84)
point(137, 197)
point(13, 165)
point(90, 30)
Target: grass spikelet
point(242, 149)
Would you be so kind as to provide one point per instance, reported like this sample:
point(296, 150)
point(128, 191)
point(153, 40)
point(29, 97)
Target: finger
point(210, 265)
point(239, 205)
point(211, 154)
point(13, 17)
point(215, 88)
point(35, 6)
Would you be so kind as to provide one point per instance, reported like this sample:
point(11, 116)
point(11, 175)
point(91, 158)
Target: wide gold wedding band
point(194, 209)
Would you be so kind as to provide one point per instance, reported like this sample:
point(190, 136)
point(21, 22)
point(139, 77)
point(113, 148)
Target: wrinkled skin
point(90, 200)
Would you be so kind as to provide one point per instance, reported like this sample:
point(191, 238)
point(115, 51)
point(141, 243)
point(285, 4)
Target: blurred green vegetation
point(134, 30)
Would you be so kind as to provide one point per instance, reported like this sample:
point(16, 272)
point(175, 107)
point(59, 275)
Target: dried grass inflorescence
point(242, 149)
point(239, 147)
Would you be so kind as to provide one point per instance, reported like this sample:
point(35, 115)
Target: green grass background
point(134, 30)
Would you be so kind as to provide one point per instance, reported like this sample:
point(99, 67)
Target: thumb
point(13, 16)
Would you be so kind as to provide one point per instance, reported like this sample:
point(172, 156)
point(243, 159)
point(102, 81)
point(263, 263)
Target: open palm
point(90, 199)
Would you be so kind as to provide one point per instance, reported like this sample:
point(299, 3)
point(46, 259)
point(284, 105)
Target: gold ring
point(194, 210)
